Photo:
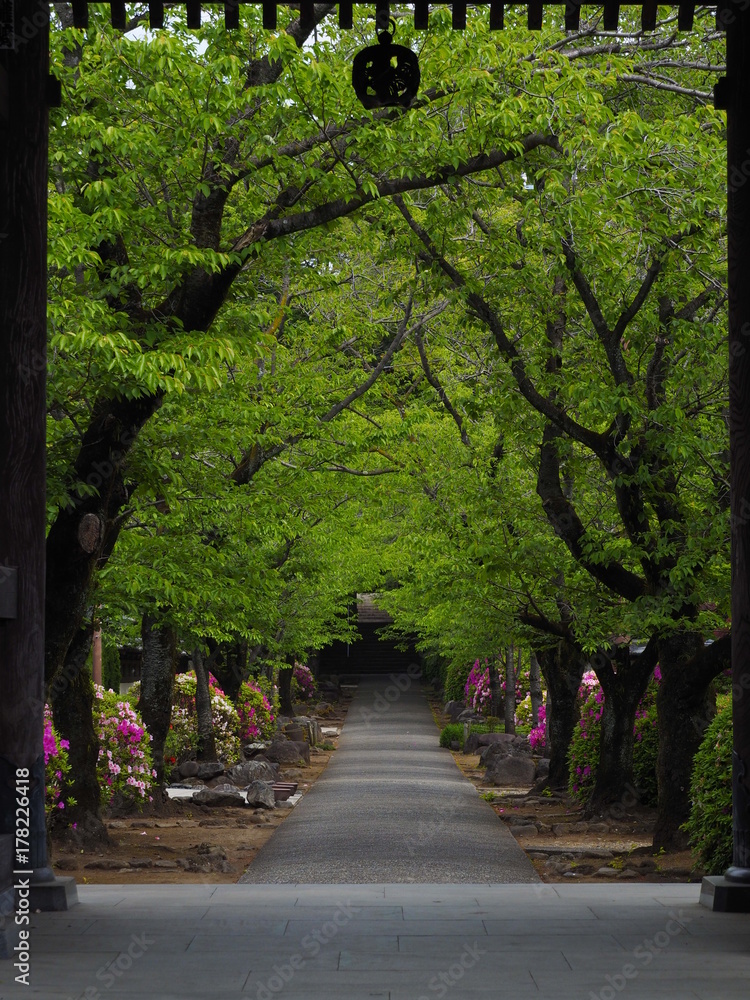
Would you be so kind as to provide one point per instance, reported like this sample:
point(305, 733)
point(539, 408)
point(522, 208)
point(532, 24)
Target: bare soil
point(182, 841)
point(564, 846)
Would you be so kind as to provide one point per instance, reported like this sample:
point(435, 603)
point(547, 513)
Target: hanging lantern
point(385, 75)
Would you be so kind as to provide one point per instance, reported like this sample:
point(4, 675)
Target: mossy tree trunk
point(158, 666)
point(206, 747)
point(562, 668)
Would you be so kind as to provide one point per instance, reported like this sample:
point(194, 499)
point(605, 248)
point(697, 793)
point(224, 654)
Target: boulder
point(188, 769)
point(517, 746)
point(227, 796)
point(487, 739)
point(468, 715)
point(542, 769)
point(322, 709)
point(471, 743)
point(303, 749)
point(515, 772)
point(453, 709)
point(260, 793)
point(252, 770)
point(209, 769)
point(283, 751)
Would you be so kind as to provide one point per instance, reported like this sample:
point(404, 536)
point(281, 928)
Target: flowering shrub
point(182, 738)
point(124, 766)
point(583, 755)
point(710, 823)
point(477, 687)
point(257, 718)
point(538, 734)
point(57, 766)
point(303, 683)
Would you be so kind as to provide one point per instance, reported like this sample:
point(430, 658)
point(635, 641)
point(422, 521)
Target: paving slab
point(391, 807)
point(254, 942)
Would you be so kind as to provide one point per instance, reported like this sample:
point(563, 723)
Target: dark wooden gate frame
point(24, 100)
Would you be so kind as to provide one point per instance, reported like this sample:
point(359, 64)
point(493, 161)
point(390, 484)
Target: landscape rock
point(166, 864)
point(598, 828)
point(188, 769)
point(283, 751)
point(453, 709)
point(219, 797)
point(517, 746)
point(209, 769)
point(468, 715)
point(260, 793)
point(542, 769)
point(627, 873)
point(252, 770)
point(471, 744)
point(323, 708)
point(524, 830)
point(487, 739)
point(510, 772)
point(606, 873)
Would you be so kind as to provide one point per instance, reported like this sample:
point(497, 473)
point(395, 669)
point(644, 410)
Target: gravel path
point(391, 807)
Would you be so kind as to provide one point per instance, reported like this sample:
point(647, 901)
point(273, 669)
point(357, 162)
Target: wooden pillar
point(24, 62)
point(736, 96)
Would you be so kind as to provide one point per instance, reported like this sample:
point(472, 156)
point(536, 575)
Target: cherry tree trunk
point(158, 665)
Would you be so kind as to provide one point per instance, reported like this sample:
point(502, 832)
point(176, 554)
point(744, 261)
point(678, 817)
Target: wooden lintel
point(458, 16)
point(346, 14)
point(307, 14)
point(421, 15)
point(118, 14)
point(156, 13)
point(611, 15)
point(80, 14)
point(535, 15)
point(572, 15)
point(269, 15)
point(231, 14)
point(4, 98)
point(193, 8)
point(685, 14)
point(497, 16)
point(648, 15)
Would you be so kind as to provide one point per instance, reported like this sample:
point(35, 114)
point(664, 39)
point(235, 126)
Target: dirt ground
point(186, 842)
point(563, 846)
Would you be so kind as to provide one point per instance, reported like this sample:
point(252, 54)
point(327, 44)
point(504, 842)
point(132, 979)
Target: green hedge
point(710, 823)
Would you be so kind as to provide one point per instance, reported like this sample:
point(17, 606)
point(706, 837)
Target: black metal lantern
point(385, 75)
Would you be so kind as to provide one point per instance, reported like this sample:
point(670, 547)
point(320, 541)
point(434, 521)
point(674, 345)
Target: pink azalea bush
point(124, 765)
point(257, 718)
point(538, 734)
point(583, 755)
point(477, 689)
point(182, 738)
point(56, 766)
point(303, 683)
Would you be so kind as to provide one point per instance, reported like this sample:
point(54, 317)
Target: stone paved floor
point(391, 807)
point(352, 928)
point(386, 942)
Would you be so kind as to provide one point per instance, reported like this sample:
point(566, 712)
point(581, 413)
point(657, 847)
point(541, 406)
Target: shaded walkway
point(386, 942)
point(391, 807)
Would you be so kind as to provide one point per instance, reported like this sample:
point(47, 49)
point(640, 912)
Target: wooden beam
point(738, 253)
point(421, 15)
point(535, 15)
point(611, 15)
point(382, 16)
point(458, 16)
point(269, 15)
point(80, 14)
point(193, 8)
point(648, 14)
point(685, 14)
point(572, 15)
point(156, 13)
point(497, 16)
point(231, 15)
point(117, 8)
point(346, 14)
point(307, 14)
